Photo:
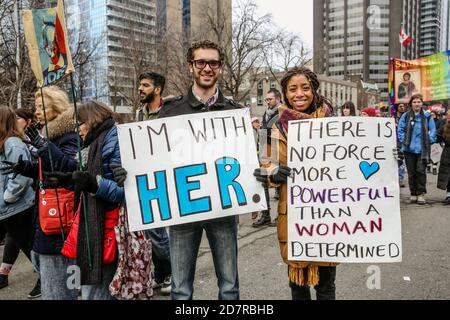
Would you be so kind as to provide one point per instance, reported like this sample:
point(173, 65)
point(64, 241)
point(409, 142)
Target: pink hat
point(255, 119)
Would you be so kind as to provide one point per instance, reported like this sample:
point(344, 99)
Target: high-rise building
point(445, 32)
point(195, 13)
point(430, 27)
point(358, 37)
point(121, 34)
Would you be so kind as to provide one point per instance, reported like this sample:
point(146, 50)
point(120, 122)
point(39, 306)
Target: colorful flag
point(404, 38)
point(46, 37)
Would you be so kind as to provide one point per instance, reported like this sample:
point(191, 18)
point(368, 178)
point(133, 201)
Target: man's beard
point(149, 98)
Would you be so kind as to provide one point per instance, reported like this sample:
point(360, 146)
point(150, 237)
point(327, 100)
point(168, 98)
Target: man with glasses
point(205, 61)
point(273, 101)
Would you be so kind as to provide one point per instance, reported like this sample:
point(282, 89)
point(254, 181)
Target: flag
point(48, 48)
point(404, 38)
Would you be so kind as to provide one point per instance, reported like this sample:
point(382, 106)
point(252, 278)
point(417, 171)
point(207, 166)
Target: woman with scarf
point(102, 195)
point(416, 134)
point(302, 101)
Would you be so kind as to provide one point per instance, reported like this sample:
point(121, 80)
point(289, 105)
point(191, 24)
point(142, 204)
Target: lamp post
point(18, 42)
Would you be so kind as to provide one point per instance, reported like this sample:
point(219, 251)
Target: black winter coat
point(444, 169)
point(188, 104)
point(64, 148)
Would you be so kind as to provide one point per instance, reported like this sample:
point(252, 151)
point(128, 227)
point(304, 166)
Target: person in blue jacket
point(416, 133)
point(100, 154)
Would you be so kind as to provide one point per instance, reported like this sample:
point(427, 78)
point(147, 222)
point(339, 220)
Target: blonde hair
point(54, 98)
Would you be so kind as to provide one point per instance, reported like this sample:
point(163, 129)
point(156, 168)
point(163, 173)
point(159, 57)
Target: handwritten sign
point(344, 197)
point(190, 168)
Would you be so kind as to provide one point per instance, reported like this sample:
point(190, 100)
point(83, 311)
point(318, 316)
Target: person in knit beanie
point(368, 112)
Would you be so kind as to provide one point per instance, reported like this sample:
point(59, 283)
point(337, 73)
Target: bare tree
point(15, 69)
point(244, 46)
point(11, 82)
point(286, 51)
point(135, 54)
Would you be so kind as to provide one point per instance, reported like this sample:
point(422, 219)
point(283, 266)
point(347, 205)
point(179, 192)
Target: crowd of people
point(75, 153)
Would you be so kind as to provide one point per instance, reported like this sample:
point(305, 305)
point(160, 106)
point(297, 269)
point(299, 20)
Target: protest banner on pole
point(429, 76)
point(343, 196)
point(190, 168)
point(47, 41)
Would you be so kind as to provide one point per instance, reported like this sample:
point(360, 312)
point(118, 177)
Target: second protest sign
point(343, 198)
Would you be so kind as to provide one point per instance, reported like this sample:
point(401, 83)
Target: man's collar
point(196, 102)
point(147, 110)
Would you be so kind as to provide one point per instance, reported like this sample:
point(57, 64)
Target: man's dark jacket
point(188, 104)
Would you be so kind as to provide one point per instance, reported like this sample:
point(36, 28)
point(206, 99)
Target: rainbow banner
point(429, 76)
point(46, 37)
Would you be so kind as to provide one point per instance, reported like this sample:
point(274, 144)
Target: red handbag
point(56, 212)
point(111, 220)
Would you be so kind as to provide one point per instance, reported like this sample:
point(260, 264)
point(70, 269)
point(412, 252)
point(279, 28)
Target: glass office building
point(112, 27)
point(355, 37)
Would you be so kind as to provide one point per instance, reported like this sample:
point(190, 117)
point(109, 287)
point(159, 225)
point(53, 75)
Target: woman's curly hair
point(315, 85)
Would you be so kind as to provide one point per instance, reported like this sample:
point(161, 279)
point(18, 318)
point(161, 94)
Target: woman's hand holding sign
point(280, 176)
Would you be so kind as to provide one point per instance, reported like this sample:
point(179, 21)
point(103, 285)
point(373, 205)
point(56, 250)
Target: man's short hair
point(204, 44)
point(276, 93)
point(157, 79)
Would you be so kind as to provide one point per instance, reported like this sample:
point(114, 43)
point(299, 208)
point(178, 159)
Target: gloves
point(120, 174)
point(58, 179)
point(84, 181)
point(261, 177)
point(16, 168)
point(398, 155)
point(280, 177)
point(35, 138)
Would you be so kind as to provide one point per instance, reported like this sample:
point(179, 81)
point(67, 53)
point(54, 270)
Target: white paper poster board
point(344, 196)
point(190, 168)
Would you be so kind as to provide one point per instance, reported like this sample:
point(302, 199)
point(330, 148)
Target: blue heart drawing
point(368, 169)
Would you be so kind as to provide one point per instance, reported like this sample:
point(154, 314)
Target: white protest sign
point(190, 168)
point(436, 153)
point(344, 196)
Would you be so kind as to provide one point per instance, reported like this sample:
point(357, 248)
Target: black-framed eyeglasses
point(201, 64)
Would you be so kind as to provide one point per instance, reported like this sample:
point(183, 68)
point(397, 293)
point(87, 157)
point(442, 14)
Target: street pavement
point(424, 273)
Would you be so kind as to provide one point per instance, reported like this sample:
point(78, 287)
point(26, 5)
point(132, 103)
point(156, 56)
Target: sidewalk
point(426, 237)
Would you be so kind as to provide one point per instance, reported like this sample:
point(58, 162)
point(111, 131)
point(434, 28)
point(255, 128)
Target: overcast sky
point(294, 15)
